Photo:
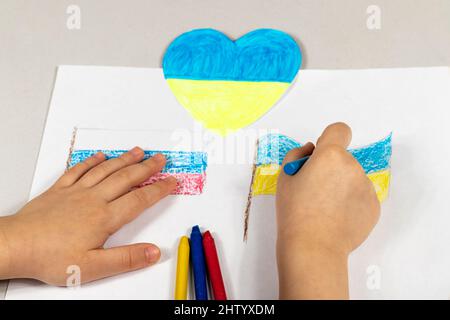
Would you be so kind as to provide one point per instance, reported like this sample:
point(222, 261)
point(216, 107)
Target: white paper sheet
point(408, 248)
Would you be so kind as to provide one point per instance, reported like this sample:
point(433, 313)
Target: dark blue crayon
point(198, 264)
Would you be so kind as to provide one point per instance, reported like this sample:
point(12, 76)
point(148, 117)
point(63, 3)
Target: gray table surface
point(34, 40)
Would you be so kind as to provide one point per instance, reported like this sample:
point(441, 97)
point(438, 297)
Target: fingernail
point(159, 157)
point(152, 254)
point(99, 155)
point(308, 144)
point(136, 151)
point(172, 178)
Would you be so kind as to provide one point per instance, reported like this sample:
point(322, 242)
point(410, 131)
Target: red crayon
point(212, 262)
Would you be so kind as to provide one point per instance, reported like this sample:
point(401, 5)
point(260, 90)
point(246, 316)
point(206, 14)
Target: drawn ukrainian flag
point(225, 84)
point(374, 158)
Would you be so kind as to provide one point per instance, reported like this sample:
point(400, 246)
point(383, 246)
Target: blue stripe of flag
point(177, 161)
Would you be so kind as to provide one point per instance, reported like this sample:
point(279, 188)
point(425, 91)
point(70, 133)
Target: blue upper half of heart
point(207, 54)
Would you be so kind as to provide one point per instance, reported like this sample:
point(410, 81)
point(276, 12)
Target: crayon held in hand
point(291, 168)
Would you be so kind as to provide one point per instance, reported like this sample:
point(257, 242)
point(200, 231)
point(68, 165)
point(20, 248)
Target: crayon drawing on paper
point(272, 148)
point(228, 85)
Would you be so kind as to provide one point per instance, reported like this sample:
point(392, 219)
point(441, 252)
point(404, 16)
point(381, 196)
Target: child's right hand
point(324, 212)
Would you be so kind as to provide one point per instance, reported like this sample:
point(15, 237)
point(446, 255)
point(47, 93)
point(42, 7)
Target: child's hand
point(324, 212)
point(69, 223)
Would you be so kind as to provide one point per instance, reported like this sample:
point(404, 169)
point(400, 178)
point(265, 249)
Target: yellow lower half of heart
point(226, 106)
point(266, 176)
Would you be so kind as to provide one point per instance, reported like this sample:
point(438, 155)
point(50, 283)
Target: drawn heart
point(225, 84)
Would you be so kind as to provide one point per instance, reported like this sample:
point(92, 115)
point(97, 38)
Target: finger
point(123, 180)
point(299, 153)
point(107, 168)
point(129, 206)
point(104, 263)
point(77, 171)
point(335, 134)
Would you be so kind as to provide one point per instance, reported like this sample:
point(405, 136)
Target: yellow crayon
point(182, 269)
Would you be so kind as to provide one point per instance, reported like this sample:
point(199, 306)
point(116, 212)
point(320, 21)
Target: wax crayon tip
point(196, 229)
point(291, 168)
point(184, 241)
point(207, 236)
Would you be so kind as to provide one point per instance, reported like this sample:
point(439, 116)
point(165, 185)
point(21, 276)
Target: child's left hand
point(69, 223)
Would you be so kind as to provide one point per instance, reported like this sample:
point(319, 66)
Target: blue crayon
point(291, 168)
point(198, 264)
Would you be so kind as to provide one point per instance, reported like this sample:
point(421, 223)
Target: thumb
point(104, 263)
point(337, 133)
point(299, 153)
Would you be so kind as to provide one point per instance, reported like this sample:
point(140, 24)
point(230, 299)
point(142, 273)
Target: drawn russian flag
point(227, 84)
point(374, 158)
point(189, 168)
